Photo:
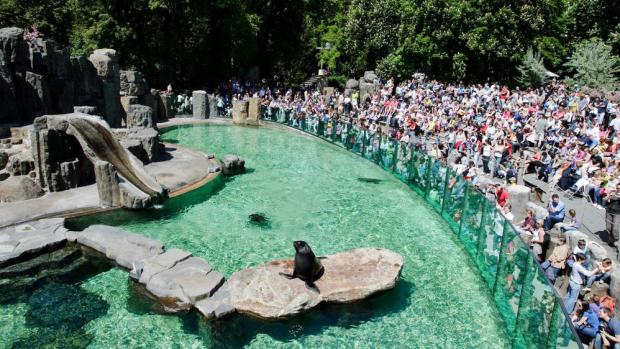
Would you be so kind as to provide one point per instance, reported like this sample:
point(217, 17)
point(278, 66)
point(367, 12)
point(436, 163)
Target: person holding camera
point(609, 330)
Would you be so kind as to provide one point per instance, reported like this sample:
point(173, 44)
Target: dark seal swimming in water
point(259, 219)
point(307, 266)
point(369, 180)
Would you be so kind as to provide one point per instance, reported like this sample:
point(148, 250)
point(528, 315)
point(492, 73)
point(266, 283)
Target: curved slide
point(96, 138)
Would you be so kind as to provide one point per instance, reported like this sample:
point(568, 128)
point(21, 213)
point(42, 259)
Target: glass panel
point(536, 310)
point(472, 218)
point(418, 172)
point(454, 199)
point(490, 241)
point(401, 168)
point(437, 183)
point(511, 275)
point(562, 334)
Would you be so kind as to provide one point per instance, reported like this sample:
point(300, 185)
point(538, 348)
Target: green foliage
point(193, 43)
point(459, 66)
point(594, 65)
point(532, 71)
point(338, 81)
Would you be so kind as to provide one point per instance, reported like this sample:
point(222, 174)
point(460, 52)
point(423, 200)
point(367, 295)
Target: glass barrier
point(530, 307)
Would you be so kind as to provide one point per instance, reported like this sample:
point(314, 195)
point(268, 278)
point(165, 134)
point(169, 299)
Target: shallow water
point(307, 190)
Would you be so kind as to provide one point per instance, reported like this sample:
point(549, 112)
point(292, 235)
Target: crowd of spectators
point(564, 137)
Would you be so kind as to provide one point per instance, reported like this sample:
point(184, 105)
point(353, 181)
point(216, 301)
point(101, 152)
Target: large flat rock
point(349, 276)
point(127, 249)
point(31, 239)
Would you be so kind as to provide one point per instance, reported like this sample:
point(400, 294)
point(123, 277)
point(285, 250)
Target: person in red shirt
point(502, 196)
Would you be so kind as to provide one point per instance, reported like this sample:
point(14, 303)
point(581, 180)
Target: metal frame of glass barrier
point(530, 306)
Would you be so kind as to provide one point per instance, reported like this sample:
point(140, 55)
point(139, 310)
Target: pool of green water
point(308, 190)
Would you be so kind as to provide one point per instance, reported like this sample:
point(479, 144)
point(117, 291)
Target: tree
point(532, 71)
point(594, 65)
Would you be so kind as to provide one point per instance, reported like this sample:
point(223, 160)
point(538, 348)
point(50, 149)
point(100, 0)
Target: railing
point(530, 306)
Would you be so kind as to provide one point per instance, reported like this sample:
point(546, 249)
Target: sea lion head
point(302, 247)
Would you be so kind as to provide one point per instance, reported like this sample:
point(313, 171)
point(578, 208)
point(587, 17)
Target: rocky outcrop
point(125, 248)
point(126, 183)
point(352, 84)
point(31, 239)
point(87, 86)
point(86, 109)
point(132, 83)
point(349, 276)
point(20, 164)
point(200, 104)
point(4, 159)
point(106, 64)
point(36, 78)
point(18, 188)
point(144, 143)
point(233, 165)
point(367, 85)
point(240, 112)
point(13, 66)
point(140, 116)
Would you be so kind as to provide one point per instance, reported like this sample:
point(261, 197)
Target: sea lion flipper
point(288, 276)
point(311, 285)
point(323, 257)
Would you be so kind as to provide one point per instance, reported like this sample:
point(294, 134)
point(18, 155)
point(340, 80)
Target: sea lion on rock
point(307, 266)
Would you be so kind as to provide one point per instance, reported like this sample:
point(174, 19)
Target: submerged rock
point(349, 276)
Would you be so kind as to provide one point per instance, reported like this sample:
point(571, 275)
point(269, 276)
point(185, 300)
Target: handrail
point(516, 279)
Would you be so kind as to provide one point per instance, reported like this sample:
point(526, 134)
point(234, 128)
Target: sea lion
point(307, 266)
point(260, 220)
point(369, 180)
point(258, 217)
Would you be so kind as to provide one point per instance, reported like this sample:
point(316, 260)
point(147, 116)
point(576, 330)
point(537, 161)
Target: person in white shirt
point(576, 281)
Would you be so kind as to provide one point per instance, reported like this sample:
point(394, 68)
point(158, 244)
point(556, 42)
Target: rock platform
point(31, 239)
point(349, 276)
point(181, 282)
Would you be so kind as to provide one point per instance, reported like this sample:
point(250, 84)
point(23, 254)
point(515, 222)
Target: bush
point(594, 65)
point(337, 81)
point(532, 71)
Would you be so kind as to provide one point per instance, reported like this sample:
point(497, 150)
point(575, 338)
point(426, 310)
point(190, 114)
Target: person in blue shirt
point(609, 335)
point(557, 211)
point(587, 325)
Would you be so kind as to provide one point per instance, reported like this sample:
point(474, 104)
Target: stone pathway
point(175, 278)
